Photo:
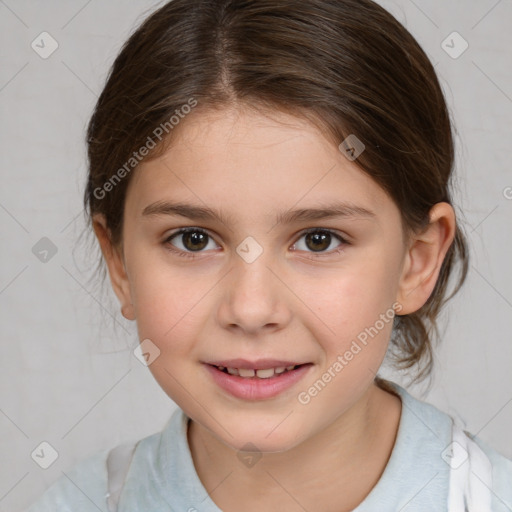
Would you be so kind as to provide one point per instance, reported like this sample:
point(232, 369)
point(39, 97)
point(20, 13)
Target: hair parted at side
point(346, 65)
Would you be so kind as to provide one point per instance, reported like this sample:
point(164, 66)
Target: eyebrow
point(195, 212)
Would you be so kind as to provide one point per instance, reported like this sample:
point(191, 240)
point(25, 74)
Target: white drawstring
point(470, 475)
point(118, 464)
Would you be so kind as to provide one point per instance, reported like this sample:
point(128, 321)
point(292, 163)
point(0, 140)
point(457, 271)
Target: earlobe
point(115, 265)
point(128, 312)
point(425, 255)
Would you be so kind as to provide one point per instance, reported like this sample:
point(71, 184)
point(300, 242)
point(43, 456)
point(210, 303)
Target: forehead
point(248, 162)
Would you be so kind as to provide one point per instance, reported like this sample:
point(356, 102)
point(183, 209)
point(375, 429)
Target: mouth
point(265, 373)
point(257, 383)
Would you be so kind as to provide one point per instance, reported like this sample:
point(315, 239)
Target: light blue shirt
point(162, 477)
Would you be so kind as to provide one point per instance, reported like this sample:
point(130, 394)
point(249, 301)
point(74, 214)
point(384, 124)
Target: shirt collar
point(415, 477)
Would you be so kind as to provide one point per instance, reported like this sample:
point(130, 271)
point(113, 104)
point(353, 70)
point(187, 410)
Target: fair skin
point(291, 303)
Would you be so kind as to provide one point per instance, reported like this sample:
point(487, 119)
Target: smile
point(257, 384)
point(248, 373)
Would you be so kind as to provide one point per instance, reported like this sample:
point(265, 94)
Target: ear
point(116, 266)
point(424, 258)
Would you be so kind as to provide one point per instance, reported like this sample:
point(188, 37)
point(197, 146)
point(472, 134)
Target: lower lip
point(256, 388)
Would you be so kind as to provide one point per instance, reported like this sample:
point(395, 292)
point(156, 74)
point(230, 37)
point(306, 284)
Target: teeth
point(265, 374)
point(262, 374)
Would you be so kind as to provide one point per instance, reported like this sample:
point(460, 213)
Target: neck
point(346, 459)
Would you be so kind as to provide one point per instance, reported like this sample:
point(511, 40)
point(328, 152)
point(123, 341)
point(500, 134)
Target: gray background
point(67, 376)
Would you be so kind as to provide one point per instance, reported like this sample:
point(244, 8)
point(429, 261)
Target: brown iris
point(320, 240)
point(195, 240)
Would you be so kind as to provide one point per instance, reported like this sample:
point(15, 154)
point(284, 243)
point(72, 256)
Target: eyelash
point(192, 255)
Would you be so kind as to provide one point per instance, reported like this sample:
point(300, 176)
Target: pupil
point(197, 239)
point(321, 240)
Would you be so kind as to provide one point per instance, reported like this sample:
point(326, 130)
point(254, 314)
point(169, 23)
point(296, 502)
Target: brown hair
point(347, 65)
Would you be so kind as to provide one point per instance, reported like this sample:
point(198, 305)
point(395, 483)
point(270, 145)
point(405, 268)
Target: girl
point(269, 183)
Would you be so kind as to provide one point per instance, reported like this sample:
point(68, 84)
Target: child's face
point(300, 300)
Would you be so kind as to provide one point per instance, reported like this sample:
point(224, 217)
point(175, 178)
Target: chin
point(258, 440)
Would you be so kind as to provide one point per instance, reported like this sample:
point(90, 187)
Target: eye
point(189, 240)
point(195, 240)
point(317, 240)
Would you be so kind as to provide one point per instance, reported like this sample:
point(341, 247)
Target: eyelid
point(188, 229)
point(179, 252)
point(342, 238)
point(334, 232)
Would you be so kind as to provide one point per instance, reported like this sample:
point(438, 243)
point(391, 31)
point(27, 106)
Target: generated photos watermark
point(343, 360)
point(143, 151)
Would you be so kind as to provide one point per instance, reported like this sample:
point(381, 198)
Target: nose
point(255, 297)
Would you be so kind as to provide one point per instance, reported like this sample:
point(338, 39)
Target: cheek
point(353, 311)
point(168, 303)
point(352, 298)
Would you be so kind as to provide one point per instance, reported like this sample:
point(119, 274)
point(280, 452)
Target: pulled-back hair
point(346, 65)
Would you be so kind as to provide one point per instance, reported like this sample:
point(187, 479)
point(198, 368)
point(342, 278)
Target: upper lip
point(259, 364)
